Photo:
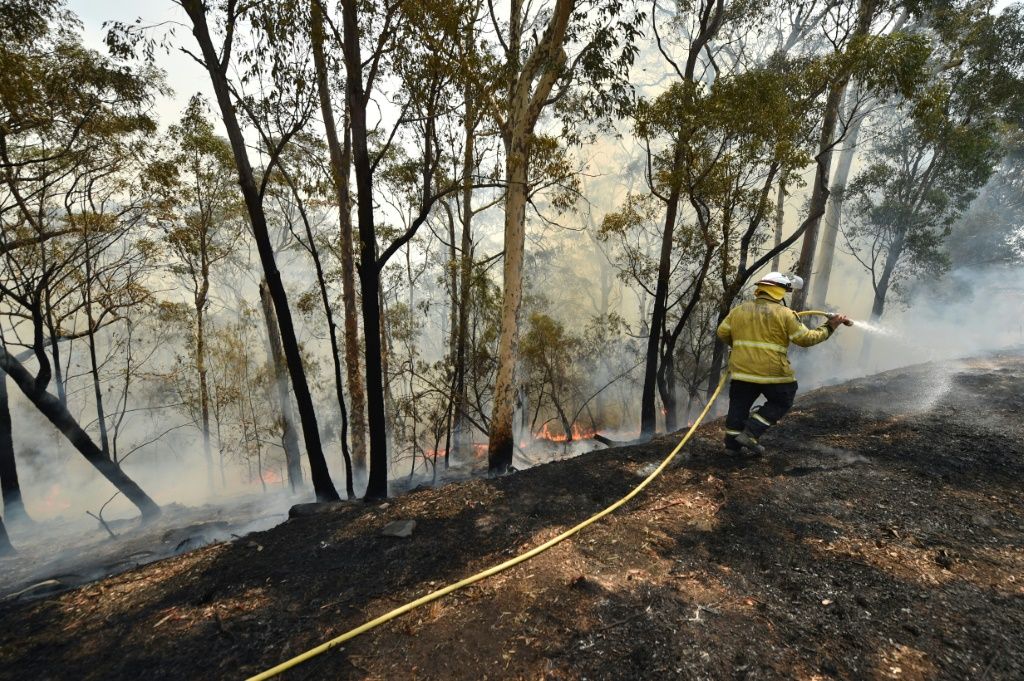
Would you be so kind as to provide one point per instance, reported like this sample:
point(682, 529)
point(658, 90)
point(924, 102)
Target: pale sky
point(182, 73)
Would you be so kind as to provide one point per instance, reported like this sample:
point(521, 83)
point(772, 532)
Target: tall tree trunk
point(341, 165)
point(501, 440)
point(196, 10)
point(332, 333)
point(648, 409)
point(94, 368)
point(820, 192)
point(54, 410)
point(14, 505)
point(369, 272)
point(453, 336)
point(465, 274)
point(529, 86)
point(289, 437)
point(834, 211)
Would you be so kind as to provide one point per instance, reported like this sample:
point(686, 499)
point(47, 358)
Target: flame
point(271, 477)
point(53, 499)
point(479, 451)
point(578, 433)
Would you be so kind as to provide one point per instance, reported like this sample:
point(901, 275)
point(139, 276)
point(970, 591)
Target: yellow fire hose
point(511, 562)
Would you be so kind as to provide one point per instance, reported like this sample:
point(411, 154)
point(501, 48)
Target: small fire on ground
point(479, 451)
point(577, 432)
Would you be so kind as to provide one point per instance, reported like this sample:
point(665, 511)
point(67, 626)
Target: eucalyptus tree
point(942, 147)
point(737, 137)
point(856, 35)
point(569, 56)
point(201, 213)
point(709, 16)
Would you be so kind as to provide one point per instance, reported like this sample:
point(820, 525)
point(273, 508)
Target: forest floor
point(882, 539)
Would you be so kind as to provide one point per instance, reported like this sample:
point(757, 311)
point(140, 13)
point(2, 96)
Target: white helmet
point(790, 282)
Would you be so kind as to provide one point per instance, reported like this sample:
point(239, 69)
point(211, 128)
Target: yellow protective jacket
point(760, 332)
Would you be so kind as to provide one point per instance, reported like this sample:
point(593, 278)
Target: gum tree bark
point(527, 93)
point(826, 144)
point(780, 218)
point(834, 211)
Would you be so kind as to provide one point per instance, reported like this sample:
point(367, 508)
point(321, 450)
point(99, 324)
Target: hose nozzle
point(833, 315)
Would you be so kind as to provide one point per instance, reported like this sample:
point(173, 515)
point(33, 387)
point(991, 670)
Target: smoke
point(968, 312)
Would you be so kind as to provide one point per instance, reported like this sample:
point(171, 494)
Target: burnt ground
point(884, 539)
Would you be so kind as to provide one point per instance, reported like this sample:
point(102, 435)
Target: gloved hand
point(835, 320)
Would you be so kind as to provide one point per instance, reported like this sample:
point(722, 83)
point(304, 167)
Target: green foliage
point(196, 197)
point(945, 140)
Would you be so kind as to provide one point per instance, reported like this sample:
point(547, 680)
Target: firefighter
point(759, 332)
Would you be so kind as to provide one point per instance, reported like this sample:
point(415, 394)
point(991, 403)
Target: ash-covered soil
point(884, 539)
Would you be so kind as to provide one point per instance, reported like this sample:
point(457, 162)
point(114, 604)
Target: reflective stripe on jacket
point(760, 332)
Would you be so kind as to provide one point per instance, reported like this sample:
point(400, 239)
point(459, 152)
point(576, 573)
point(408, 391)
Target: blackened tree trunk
point(204, 386)
point(54, 410)
point(332, 332)
point(369, 273)
point(289, 438)
point(648, 413)
point(465, 272)
point(94, 368)
point(217, 67)
point(14, 505)
point(6, 548)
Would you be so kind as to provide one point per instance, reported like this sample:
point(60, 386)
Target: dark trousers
point(742, 396)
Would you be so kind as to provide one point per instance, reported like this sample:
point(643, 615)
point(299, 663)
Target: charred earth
point(883, 539)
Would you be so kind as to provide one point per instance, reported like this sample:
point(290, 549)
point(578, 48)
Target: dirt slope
point(884, 540)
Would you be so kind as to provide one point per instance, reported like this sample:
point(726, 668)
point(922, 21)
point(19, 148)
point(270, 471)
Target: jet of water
point(874, 328)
